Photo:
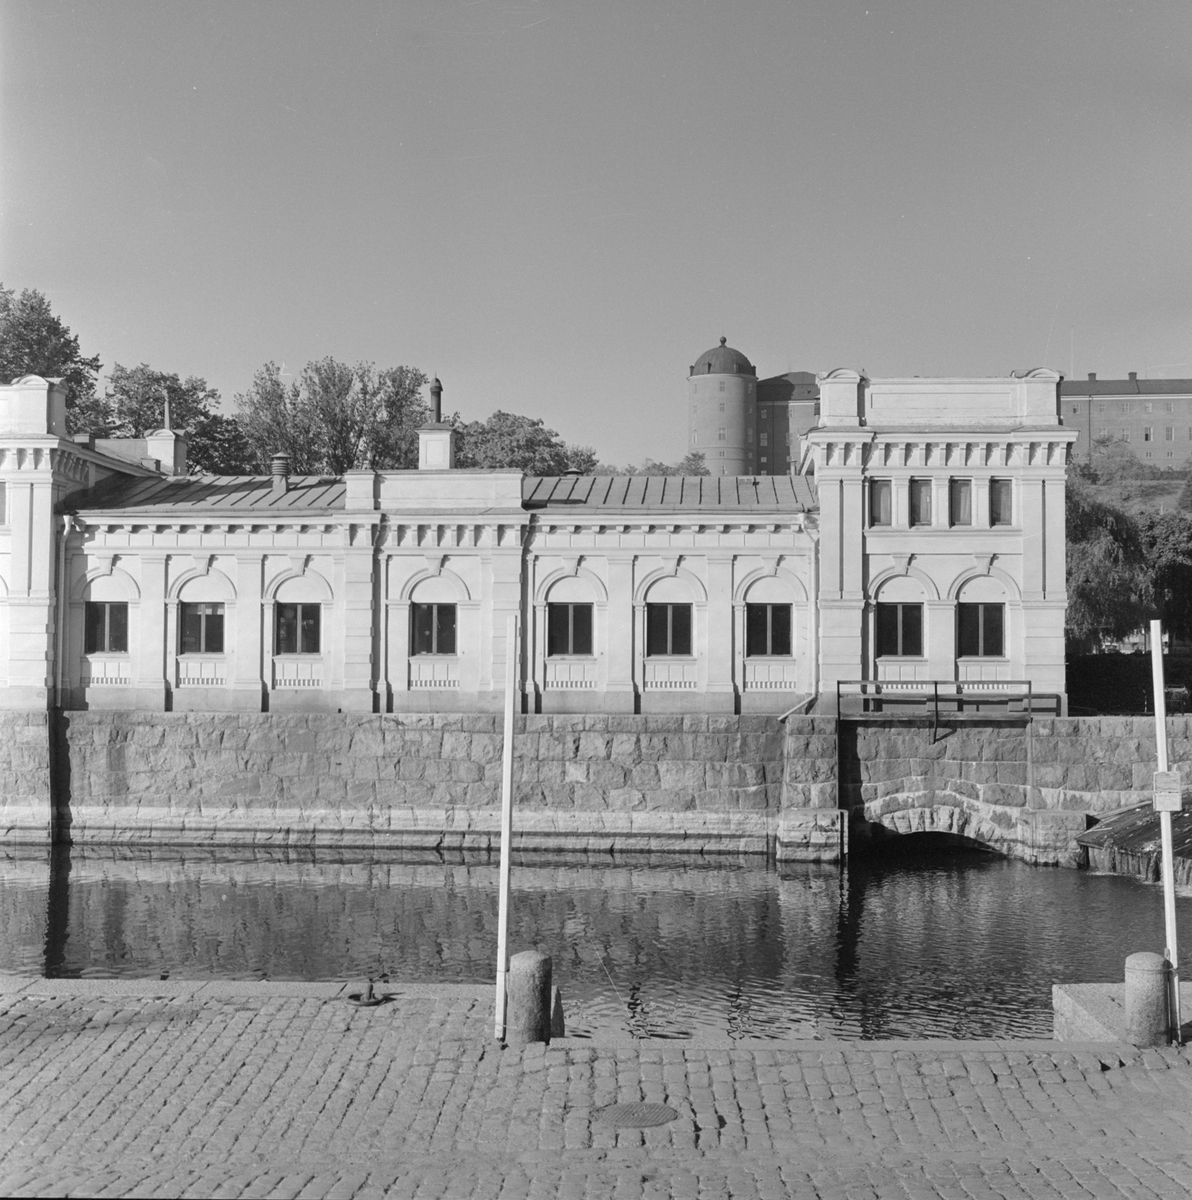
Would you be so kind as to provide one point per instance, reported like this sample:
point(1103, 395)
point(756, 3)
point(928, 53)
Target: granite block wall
point(25, 786)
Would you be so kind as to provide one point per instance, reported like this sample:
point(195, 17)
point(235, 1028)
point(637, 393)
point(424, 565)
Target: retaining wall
point(25, 789)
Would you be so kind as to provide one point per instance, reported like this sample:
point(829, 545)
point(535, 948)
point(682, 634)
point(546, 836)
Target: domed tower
point(722, 407)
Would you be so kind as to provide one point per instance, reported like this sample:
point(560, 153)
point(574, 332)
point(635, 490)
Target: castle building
point(912, 533)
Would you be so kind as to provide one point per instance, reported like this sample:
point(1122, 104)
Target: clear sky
point(557, 205)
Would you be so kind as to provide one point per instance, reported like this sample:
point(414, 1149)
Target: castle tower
point(722, 410)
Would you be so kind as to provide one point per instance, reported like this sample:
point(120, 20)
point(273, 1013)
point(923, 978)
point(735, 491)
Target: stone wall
point(25, 777)
point(587, 782)
point(1029, 791)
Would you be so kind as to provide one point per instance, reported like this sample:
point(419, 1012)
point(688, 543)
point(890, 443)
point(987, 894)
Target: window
point(721, 455)
point(880, 502)
point(1169, 406)
point(1148, 406)
point(202, 628)
point(1148, 433)
point(1125, 406)
point(1103, 432)
point(980, 630)
point(1171, 454)
point(720, 434)
point(767, 630)
point(1125, 435)
point(1001, 502)
point(765, 438)
point(1169, 433)
point(722, 385)
point(298, 628)
point(106, 628)
point(960, 502)
point(668, 629)
point(1101, 406)
point(899, 630)
point(920, 501)
point(1148, 455)
point(3, 503)
point(432, 628)
point(722, 406)
point(1076, 408)
point(568, 629)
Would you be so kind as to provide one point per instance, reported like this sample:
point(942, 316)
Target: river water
point(943, 945)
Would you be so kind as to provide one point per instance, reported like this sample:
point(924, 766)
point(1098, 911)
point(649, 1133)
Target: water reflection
point(955, 945)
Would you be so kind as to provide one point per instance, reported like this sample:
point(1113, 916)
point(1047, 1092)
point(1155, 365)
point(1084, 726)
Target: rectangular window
point(881, 502)
point(202, 628)
point(1148, 433)
point(960, 502)
point(980, 630)
point(722, 406)
point(899, 630)
point(765, 438)
point(1001, 502)
point(920, 501)
point(1125, 406)
point(1169, 433)
point(722, 385)
point(1169, 406)
point(720, 434)
point(668, 629)
point(1101, 406)
point(568, 629)
point(767, 630)
point(3, 503)
point(106, 628)
point(432, 628)
point(1102, 432)
point(1125, 435)
point(298, 628)
point(1148, 406)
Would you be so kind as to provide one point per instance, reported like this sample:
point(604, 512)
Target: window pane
point(880, 506)
point(780, 629)
point(558, 633)
point(968, 630)
point(422, 630)
point(118, 628)
point(444, 628)
point(912, 628)
point(95, 617)
point(756, 630)
point(191, 621)
point(680, 628)
point(920, 501)
point(581, 629)
point(287, 629)
point(960, 493)
point(311, 622)
point(994, 622)
point(887, 629)
point(213, 642)
point(999, 502)
point(657, 629)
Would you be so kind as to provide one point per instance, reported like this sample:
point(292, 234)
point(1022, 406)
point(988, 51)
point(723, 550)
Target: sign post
point(512, 652)
point(1168, 798)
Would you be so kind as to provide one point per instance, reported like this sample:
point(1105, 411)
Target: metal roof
point(1126, 387)
point(653, 493)
point(212, 493)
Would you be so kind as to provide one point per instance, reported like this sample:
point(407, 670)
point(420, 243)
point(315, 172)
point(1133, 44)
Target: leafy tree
point(334, 418)
point(1167, 544)
point(1109, 585)
point(509, 440)
point(134, 405)
point(33, 341)
point(694, 464)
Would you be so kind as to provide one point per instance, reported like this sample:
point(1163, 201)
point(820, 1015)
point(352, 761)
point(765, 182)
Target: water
point(952, 945)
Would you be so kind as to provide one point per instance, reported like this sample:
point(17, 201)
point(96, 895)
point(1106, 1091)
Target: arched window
point(298, 616)
point(570, 624)
point(669, 619)
point(898, 619)
point(201, 613)
point(769, 621)
point(433, 617)
point(981, 619)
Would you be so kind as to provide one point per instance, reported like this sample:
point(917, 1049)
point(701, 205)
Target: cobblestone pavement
point(166, 1089)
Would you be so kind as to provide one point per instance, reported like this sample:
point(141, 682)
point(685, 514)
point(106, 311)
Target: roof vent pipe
point(279, 470)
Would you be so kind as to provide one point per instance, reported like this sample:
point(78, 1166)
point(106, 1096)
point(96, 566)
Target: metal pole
point(1171, 950)
point(511, 657)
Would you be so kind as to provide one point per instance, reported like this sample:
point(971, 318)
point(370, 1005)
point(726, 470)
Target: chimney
point(279, 471)
point(1092, 377)
point(436, 439)
point(1133, 376)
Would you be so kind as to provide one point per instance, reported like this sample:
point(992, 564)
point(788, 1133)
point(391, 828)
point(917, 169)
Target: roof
point(1126, 387)
point(722, 360)
point(794, 385)
point(671, 493)
point(212, 494)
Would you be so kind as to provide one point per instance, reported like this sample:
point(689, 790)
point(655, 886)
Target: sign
point(1168, 791)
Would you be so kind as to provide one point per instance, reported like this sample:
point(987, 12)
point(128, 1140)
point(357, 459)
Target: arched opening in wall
point(568, 635)
point(300, 633)
point(898, 631)
point(769, 638)
point(928, 846)
point(437, 634)
point(670, 637)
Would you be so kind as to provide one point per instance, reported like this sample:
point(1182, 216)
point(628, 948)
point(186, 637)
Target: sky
point(558, 205)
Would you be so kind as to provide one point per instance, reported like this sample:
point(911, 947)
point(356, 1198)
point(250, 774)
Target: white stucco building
point(919, 539)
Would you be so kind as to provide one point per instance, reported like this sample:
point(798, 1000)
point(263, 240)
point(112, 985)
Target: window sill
point(101, 654)
point(304, 655)
point(581, 658)
point(778, 658)
point(442, 657)
point(682, 658)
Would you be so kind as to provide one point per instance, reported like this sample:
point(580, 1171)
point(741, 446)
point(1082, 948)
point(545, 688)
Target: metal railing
point(949, 699)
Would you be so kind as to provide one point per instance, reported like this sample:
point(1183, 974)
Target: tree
point(334, 418)
point(33, 341)
point(1167, 544)
point(1109, 585)
point(509, 440)
point(693, 464)
point(134, 405)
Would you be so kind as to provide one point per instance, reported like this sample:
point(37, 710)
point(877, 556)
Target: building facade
point(918, 538)
point(1154, 416)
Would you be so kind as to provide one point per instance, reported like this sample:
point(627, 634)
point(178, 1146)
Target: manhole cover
point(637, 1115)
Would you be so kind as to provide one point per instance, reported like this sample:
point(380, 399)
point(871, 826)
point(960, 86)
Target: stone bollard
point(1147, 1023)
point(527, 1012)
